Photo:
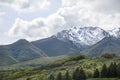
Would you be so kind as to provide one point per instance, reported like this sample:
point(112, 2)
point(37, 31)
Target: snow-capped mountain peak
point(82, 36)
point(115, 32)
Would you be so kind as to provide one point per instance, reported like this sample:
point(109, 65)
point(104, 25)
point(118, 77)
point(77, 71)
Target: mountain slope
point(82, 37)
point(109, 44)
point(115, 32)
point(76, 39)
point(54, 47)
point(24, 50)
point(5, 56)
point(19, 51)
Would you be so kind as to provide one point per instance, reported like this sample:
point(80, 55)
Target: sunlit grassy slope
point(89, 64)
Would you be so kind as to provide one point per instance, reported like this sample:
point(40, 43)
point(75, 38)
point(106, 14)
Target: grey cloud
point(109, 6)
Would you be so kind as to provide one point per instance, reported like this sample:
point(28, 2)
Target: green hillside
point(38, 62)
point(70, 64)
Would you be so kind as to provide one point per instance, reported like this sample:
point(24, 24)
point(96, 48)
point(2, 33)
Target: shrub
point(108, 55)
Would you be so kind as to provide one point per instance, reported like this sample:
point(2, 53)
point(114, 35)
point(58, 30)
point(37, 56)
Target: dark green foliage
point(82, 75)
point(104, 71)
point(59, 76)
point(76, 58)
point(112, 70)
point(108, 55)
point(76, 74)
point(67, 76)
point(96, 73)
point(79, 74)
point(51, 77)
point(28, 79)
point(118, 70)
point(69, 59)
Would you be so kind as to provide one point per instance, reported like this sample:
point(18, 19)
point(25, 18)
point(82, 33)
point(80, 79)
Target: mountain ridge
point(75, 40)
point(19, 51)
point(86, 35)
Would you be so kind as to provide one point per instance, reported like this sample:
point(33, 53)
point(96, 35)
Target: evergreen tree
point(76, 74)
point(28, 79)
point(51, 77)
point(118, 70)
point(82, 75)
point(112, 70)
point(96, 73)
point(104, 71)
point(59, 76)
point(67, 76)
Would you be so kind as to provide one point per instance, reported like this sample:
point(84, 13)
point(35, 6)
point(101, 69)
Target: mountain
point(75, 40)
point(82, 37)
point(24, 50)
point(19, 51)
point(54, 47)
point(115, 32)
point(5, 56)
point(108, 44)
point(91, 41)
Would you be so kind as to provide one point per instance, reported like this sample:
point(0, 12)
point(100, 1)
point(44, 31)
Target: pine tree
point(96, 74)
point(51, 77)
point(76, 74)
point(82, 75)
point(59, 76)
point(118, 70)
point(104, 71)
point(112, 70)
point(28, 79)
point(67, 76)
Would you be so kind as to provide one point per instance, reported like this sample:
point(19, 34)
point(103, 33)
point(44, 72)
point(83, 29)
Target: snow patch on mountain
point(115, 32)
point(82, 36)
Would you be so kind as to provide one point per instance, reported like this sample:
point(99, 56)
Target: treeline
point(112, 71)
point(78, 74)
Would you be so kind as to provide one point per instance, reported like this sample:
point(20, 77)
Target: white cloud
point(1, 17)
point(98, 5)
point(2, 14)
point(104, 14)
point(26, 5)
point(37, 28)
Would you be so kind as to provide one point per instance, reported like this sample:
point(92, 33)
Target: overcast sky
point(37, 19)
